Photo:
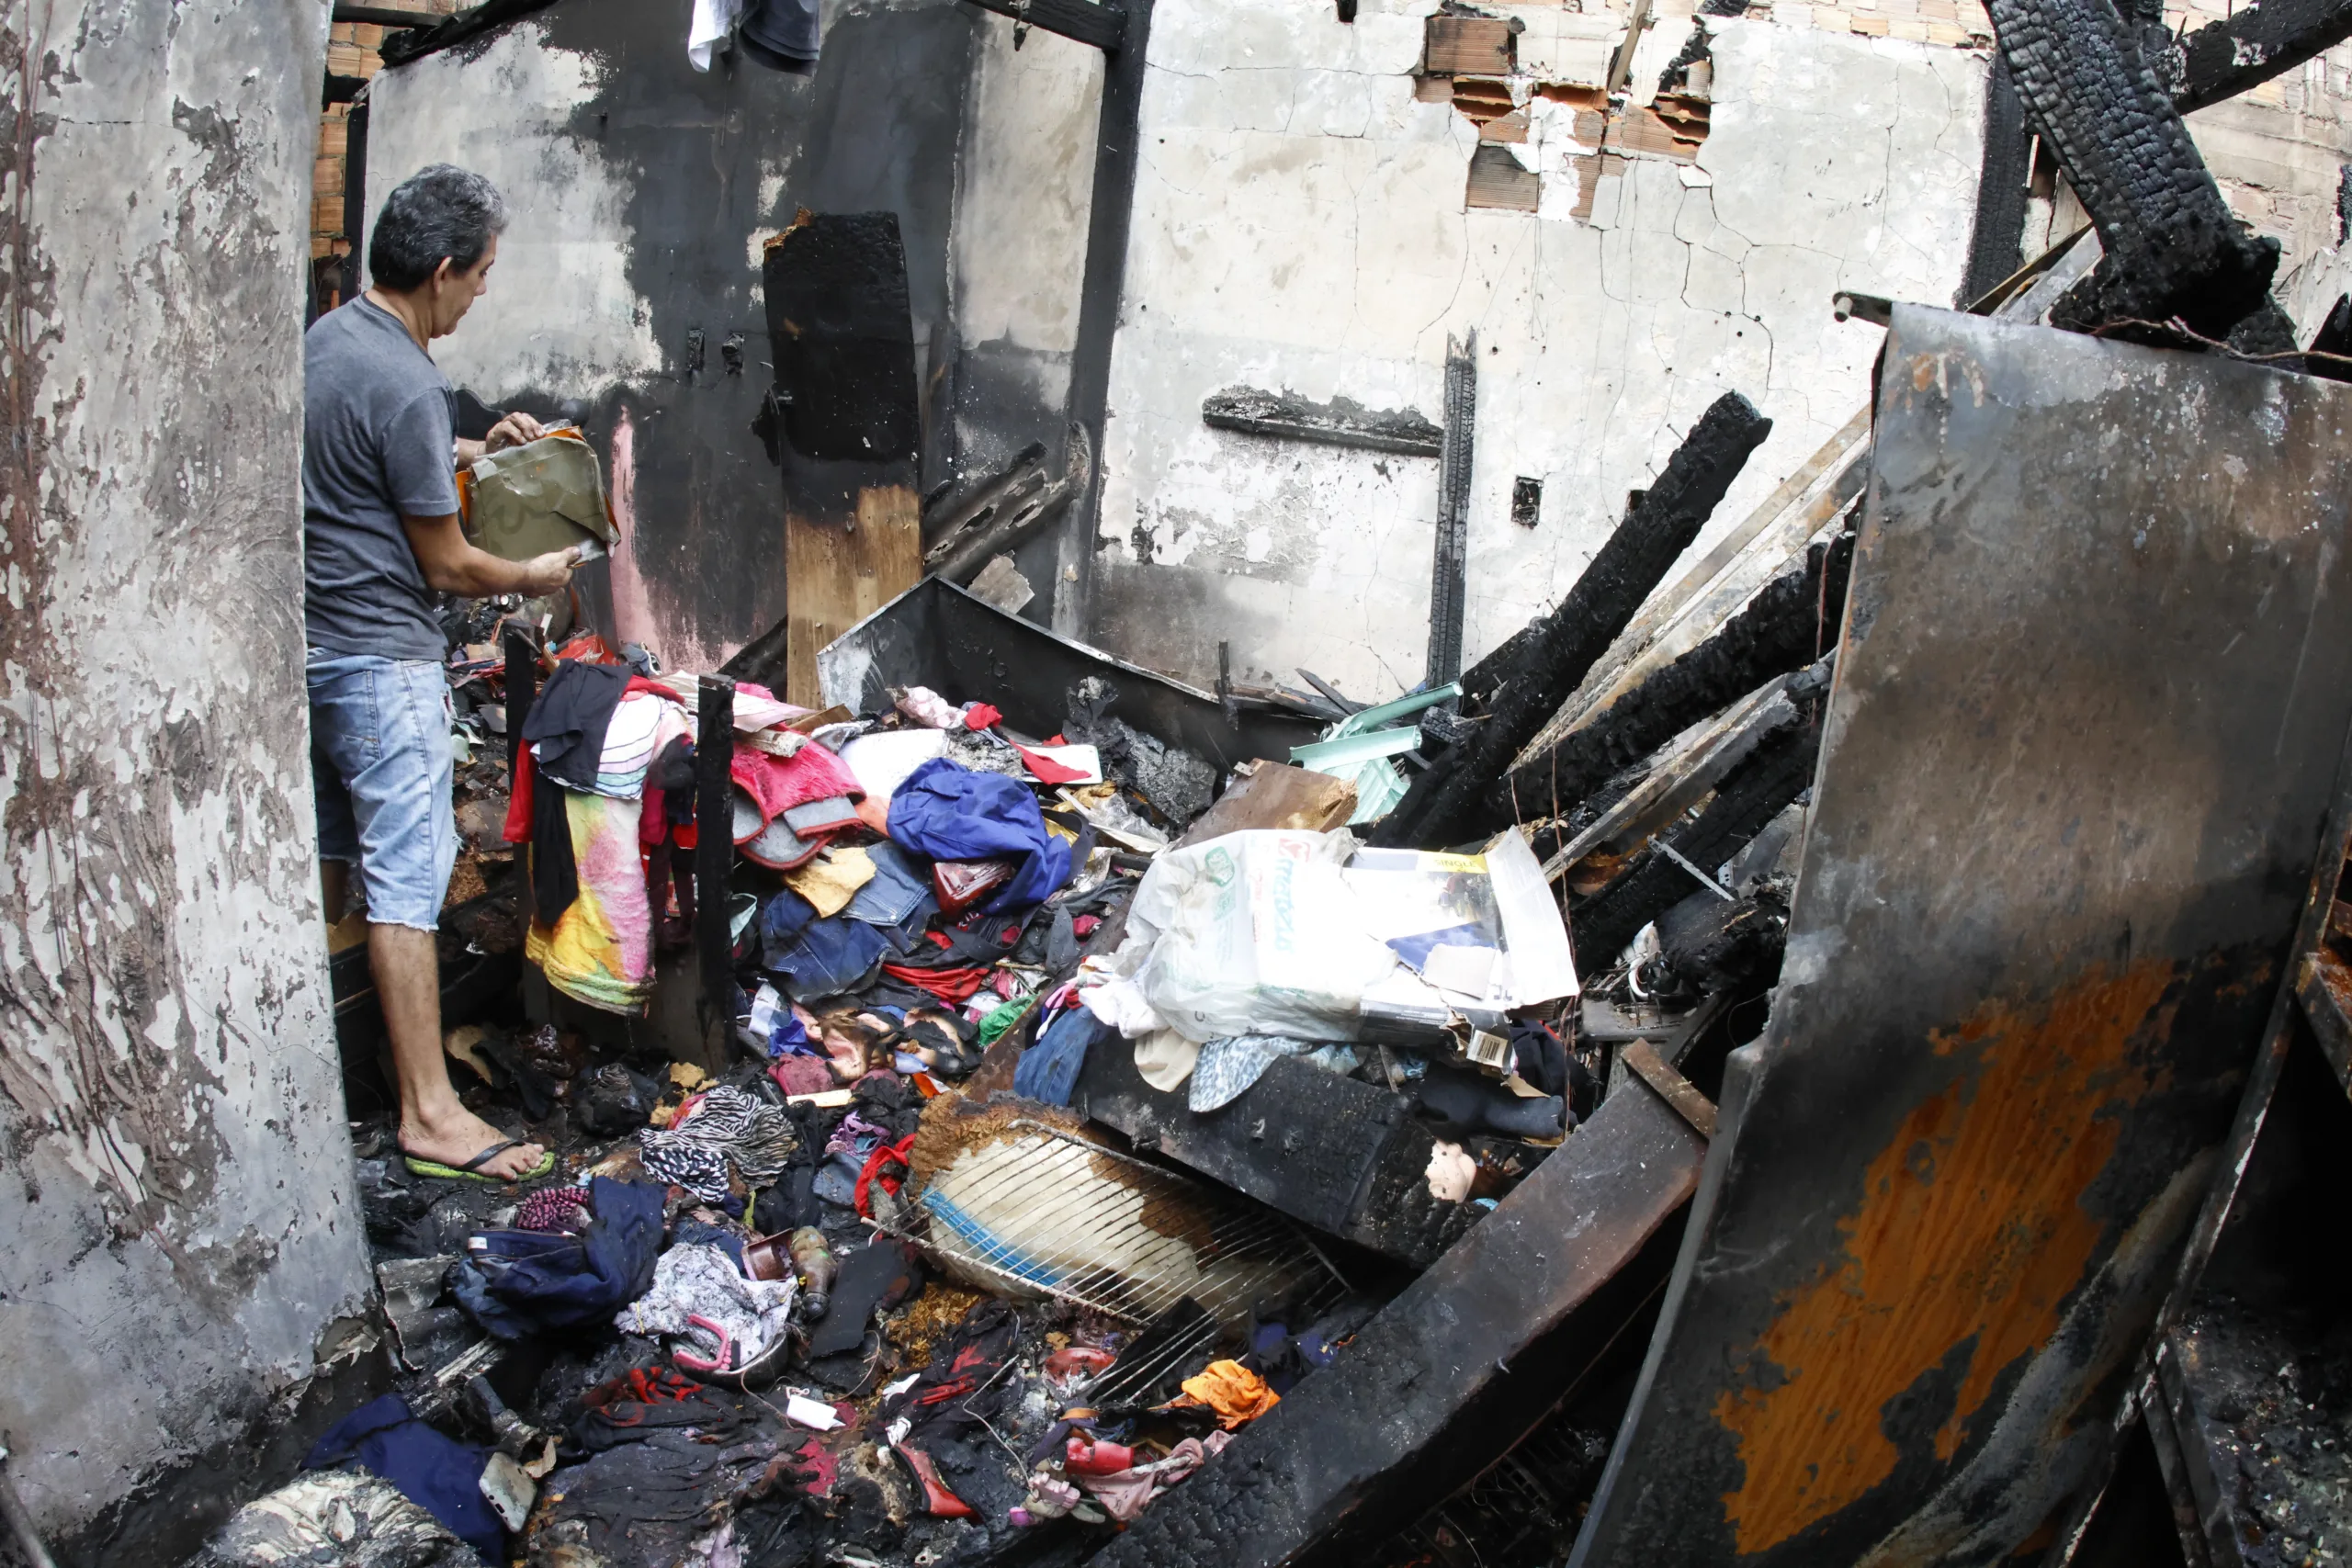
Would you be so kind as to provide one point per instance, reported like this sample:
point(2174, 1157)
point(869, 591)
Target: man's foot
point(458, 1137)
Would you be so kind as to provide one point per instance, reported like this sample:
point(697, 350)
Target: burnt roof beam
point(2224, 59)
point(1102, 27)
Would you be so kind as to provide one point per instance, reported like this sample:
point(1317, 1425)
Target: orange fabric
point(1237, 1395)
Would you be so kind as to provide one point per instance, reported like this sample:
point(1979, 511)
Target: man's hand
point(512, 430)
point(453, 564)
point(549, 573)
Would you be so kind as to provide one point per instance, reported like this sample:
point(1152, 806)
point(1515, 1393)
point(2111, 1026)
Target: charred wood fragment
point(1784, 628)
point(2331, 346)
point(1711, 945)
point(2172, 247)
point(1776, 774)
point(2224, 59)
point(1448, 802)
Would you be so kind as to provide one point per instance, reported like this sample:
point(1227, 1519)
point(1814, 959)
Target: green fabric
point(1002, 1018)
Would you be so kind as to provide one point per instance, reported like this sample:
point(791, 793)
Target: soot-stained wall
point(180, 1243)
point(641, 193)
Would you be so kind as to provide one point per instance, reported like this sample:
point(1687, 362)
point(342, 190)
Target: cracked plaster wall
point(177, 1223)
point(1300, 225)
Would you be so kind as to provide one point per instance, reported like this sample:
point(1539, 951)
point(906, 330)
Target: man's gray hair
point(439, 211)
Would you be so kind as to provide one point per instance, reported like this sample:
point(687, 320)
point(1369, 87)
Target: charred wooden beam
point(2223, 59)
point(1342, 1155)
point(1785, 628)
point(1778, 772)
point(1450, 802)
point(2173, 246)
point(416, 43)
point(1342, 422)
point(951, 512)
point(1102, 26)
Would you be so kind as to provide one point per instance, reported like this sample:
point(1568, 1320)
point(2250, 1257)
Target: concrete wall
point(1301, 226)
point(1019, 238)
point(641, 194)
point(178, 1231)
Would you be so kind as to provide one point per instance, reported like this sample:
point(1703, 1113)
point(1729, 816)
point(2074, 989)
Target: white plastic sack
point(1254, 933)
point(1299, 935)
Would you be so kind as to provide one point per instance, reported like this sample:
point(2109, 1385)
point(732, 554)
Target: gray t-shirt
point(378, 419)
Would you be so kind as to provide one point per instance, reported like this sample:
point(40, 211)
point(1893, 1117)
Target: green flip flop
point(471, 1170)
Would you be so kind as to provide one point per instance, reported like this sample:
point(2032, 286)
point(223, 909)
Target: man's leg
point(385, 728)
point(435, 1125)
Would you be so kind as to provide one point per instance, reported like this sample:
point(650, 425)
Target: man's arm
point(452, 564)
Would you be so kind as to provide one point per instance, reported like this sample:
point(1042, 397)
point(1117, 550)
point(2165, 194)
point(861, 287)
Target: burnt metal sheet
point(937, 635)
point(2094, 682)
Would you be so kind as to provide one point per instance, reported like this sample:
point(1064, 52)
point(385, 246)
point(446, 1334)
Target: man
point(380, 534)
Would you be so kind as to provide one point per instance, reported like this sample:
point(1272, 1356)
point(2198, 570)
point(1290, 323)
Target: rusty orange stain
point(1970, 1228)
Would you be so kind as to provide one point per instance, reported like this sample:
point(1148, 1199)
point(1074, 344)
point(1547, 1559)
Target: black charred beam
point(1449, 803)
point(1102, 27)
point(1998, 231)
point(1345, 1157)
point(714, 851)
point(2173, 248)
point(1789, 624)
point(416, 43)
point(2223, 59)
point(385, 16)
point(1775, 774)
point(1342, 422)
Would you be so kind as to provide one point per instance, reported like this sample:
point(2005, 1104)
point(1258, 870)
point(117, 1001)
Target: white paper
point(804, 1411)
point(882, 760)
point(1463, 970)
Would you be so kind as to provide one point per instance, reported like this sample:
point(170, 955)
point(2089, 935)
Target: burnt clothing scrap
point(645, 1400)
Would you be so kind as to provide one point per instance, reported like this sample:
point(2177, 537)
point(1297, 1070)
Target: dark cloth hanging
point(569, 717)
point(781, 34)
point(555, 874)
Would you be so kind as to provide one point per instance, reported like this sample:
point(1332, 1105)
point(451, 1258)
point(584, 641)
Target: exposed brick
point(1948, 34)
point(1909, 28)
point(1870, 27)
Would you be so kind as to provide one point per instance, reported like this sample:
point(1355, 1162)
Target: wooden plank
point(2324, 986)
point(834, 577)
point(1672, 1087)
point(1275, 795)
point(1102, 27)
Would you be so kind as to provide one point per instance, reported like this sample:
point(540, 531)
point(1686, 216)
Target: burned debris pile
point(1043, 1073)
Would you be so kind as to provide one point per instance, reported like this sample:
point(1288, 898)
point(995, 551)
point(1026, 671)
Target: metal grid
point(1045, 1212)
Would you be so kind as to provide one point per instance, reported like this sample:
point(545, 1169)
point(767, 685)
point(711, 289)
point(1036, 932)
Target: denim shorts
point(380, 767)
